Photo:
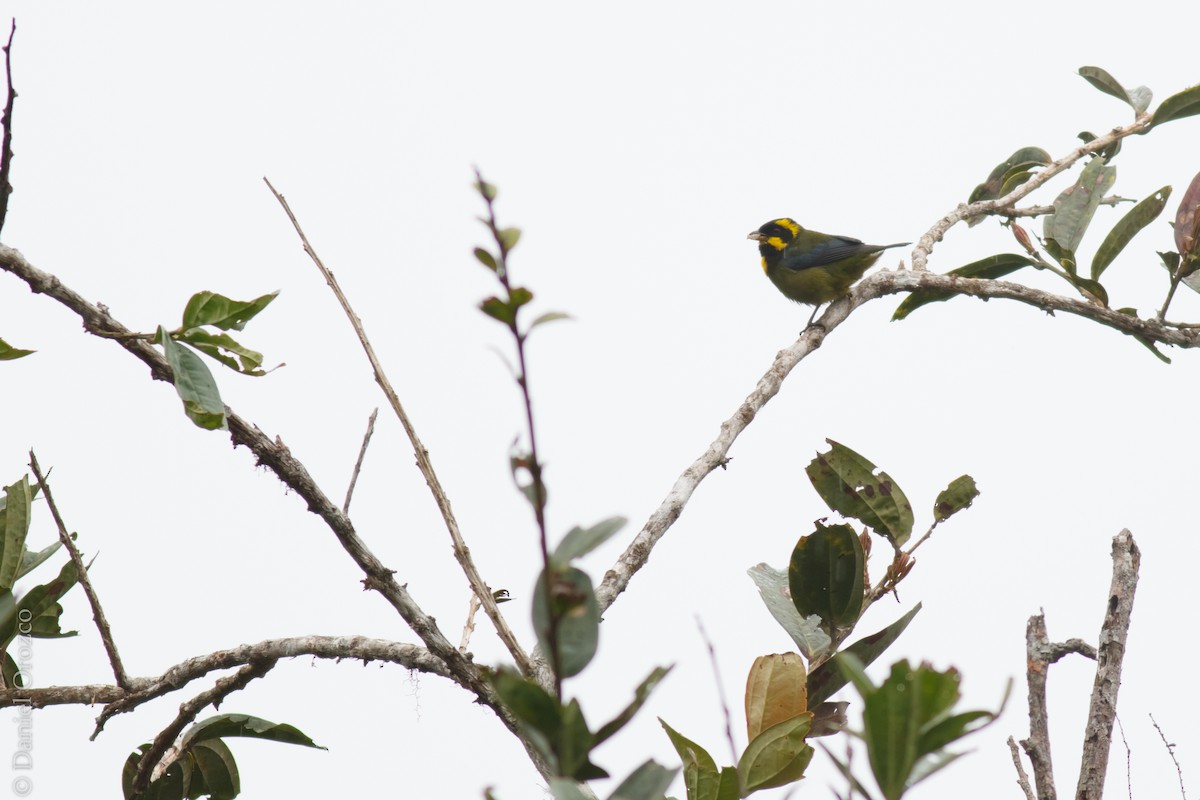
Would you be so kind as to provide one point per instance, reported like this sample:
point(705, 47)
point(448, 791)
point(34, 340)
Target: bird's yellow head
point(773, 237)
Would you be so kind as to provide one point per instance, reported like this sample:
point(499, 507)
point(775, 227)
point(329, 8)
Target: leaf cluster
point(36, 613)
point(203, 765)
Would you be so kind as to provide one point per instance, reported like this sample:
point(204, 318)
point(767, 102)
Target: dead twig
point(110, 647)
point(461, 553)
point(362, 454)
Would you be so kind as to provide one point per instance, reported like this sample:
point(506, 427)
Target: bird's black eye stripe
point(774, 230)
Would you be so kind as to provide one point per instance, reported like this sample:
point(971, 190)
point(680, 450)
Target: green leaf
point(776, 691)
point(519, 296)
point(1074, 208)
point(574, 745)
point(1187, 222)
point(640, 695)
point(14, 527)
point(850, 485)
point(1129, 225)
point(224, 725)
point(38, 601)
point(10, 670)
point(216, 772)
point(537, 712)
point(549, 316)
point(954, 498)
point(31, 560)
point(830, 676)
point(498, 309)
point(990, 189)
point(224, 348)
point(194, 384)
point(1177, 106)
point(689, 752)
point(805, 632)
point(1091, 288)
point(486, 190)
point(826, 576)
point(581, 541)
point(907, 721)
point(486, 258)
point(777, 756)
point(567, 789)
point(1138, 98)
point(509, 238)
point(10, 353)
point(209, 308)
point(701, 779)
point(577, 613)
point(647, 782)
point(989, 268)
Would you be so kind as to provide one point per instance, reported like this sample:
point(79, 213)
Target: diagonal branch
point(275, 456)
point(362, 454)
point(110, 647)
point(635, 556)
point(461, 551)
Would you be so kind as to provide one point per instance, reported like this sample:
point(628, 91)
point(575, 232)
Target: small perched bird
point(810, 267)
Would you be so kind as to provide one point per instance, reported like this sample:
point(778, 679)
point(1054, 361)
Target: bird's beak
point(757, 236)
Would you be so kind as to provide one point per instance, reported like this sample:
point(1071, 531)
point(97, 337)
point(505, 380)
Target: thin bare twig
point(1041, 211)
point(1171, 752)
point(1128, 760)
point(461, 552)
point(1022, 777)
point(469, 627)
point(110, 647)
point(6, 153)
point(362, 453)
point(226, 686)
point(1097, 734)
point(712, 659)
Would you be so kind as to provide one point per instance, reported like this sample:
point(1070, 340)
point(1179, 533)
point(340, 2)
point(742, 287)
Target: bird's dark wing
point(819, 254)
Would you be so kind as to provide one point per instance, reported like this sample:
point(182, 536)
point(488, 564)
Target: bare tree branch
point(1037, 746)
point(1097, 736)
point(149, 764)
point(6, 153)
point(142, 690)
point(362, 454)
point(110, 647)
point(461, 552)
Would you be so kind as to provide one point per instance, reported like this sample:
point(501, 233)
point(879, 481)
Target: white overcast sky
point(635, 144)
